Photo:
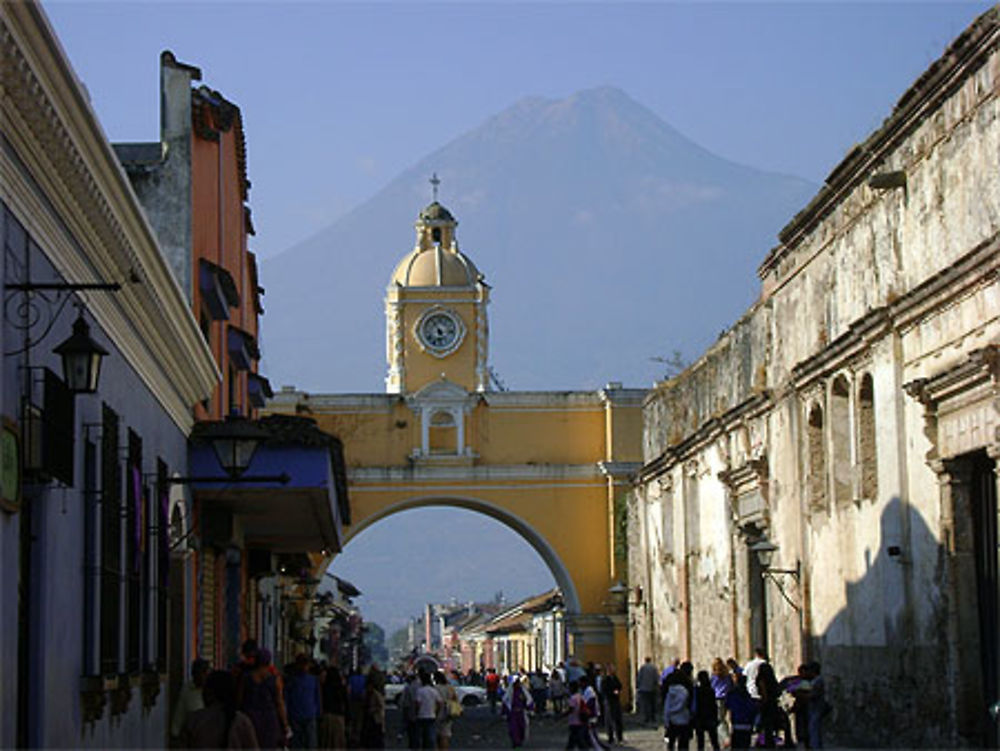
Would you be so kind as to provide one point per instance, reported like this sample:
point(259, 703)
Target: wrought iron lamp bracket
point(35, 306)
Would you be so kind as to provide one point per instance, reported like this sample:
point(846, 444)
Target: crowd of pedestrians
point(311, 705)
point(428, 705)
point(308, 705)
point(590, 698)
point(732, 705)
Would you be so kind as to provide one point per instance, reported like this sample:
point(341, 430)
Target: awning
point(303, 516)
point(242, 348)
point(259, 389)
point(218, 290)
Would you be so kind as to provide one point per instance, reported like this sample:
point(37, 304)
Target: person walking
point(578, 716)
point(449, 699)
point(304, 703)
point(492, 688)
point(593, 703)
point(373, 710)
point(750, 671)
point(517, 702)
point(611, 690)
point(190, 698)
point(742, 713)
point(647, 688)
point(558, 692)
point(677, 712)
point(798, 687)
point(722, 683)
point(767, 696)
point(408, 710)
point(218, 724)
point(539, 690)
point(333, 721)
point(428, 707)
point(819, 707)
point(355, 706)
point(706, 712)
point(259, 697)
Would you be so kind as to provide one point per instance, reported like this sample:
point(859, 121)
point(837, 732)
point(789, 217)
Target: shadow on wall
point(885, 655)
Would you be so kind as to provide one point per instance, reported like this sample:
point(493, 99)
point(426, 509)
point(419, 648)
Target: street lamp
point(619, 595)
point(81, 358)
point(764, 549)
point(234, 441)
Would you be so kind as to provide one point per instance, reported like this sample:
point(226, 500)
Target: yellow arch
point(527, 531)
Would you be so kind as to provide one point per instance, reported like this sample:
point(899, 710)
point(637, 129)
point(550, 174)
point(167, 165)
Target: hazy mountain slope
point(608, 238)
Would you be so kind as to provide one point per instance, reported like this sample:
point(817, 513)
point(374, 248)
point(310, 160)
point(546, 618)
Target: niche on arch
point(443, 433)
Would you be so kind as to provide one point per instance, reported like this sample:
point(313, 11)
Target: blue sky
point(338, 98)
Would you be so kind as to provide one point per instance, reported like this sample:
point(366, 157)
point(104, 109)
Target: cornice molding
point(58, 139)
point(979, 266)
point(708, 432)
point(531, 473)
point(982, 366)
point(966, 55)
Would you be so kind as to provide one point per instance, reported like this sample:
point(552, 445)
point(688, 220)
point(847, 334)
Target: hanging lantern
point(81, 359)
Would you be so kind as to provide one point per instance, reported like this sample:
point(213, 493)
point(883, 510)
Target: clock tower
point(436, 326)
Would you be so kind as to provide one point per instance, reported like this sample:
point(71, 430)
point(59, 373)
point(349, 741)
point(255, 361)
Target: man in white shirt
point(750, 671)
point(429, 704)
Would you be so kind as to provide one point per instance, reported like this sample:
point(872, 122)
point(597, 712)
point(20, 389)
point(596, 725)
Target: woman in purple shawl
point(516, 703)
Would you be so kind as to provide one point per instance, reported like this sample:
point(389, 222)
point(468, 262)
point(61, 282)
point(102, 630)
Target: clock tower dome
point(435, 307)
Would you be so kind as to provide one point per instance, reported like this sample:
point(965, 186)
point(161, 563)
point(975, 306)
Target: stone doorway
point(757, 600)
point(983, 513)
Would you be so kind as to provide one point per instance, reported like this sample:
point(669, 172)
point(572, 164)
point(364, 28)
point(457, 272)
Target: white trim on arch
point(559, 571)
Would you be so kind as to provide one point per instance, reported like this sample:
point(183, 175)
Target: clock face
point(440, 331)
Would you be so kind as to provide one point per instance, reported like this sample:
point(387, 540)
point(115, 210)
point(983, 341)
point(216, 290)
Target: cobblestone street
point(477, 728)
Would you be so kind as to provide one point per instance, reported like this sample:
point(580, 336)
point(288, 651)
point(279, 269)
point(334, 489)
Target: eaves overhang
point(150, 322)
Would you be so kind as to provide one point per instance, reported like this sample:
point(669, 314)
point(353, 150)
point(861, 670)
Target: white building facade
point(822, 482)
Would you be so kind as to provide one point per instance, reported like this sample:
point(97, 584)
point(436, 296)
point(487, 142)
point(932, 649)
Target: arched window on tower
point(840, 439)
point(866, 437)
point(443, 433)
point(817, 459)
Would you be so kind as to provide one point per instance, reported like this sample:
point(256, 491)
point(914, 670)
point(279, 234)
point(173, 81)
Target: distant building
point(822, 482)
point(530, 635)
point(339, 626)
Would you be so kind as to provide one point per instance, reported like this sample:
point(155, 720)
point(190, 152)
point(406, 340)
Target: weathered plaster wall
point(796, 425)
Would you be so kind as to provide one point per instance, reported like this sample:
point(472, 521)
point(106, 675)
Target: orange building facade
point(233, 564)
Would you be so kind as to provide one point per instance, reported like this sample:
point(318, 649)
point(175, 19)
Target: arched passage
point(538, 542)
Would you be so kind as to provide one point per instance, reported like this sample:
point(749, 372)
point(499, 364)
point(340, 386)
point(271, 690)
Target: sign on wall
point(10, 466)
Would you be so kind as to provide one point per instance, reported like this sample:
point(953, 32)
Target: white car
point(469, 696)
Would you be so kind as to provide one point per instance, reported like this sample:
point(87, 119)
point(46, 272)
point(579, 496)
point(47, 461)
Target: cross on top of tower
point(435, 181)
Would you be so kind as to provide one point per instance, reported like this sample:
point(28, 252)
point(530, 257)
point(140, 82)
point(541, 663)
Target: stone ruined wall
point(795, 425)
point(732, 371)
point(877, 245)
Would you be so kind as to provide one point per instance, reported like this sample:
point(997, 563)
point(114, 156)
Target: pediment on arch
point(439, 392)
